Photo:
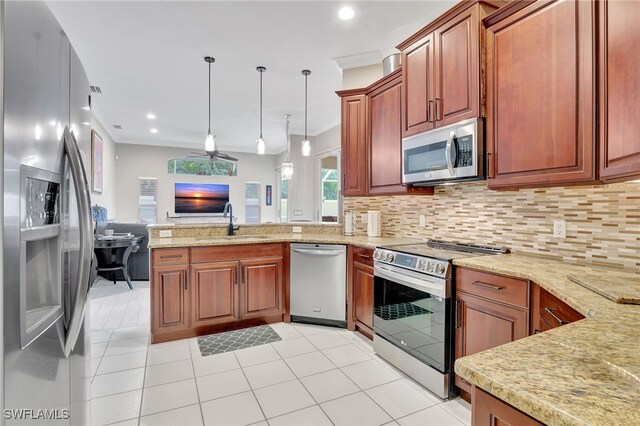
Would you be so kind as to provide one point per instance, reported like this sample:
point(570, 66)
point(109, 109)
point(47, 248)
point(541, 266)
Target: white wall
point(152, 161)
point(304, 187)
point(108, 197)
point(355, 78)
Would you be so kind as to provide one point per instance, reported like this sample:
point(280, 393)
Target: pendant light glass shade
point(306, 145)
point(210, 140)
point(210, 143)
point(306, 148)
point(261, 145)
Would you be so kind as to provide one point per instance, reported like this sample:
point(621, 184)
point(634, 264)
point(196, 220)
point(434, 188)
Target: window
point(202, 167)
point(284, 194)
point(147, 200)
point(252, 202)
point(329, 200)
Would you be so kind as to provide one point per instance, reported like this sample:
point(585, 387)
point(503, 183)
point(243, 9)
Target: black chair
point(138, 262)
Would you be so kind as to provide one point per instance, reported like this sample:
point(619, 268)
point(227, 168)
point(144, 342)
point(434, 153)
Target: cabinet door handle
point(437, 109)
point(235, 272)
point(555, 317)
point(184, 275)
point(170, 256)
point(344, 181)
point(489, 175)
point(244, 274)
point(489, 286)
point(364, 256)
point(430, 104)
point(458, 313)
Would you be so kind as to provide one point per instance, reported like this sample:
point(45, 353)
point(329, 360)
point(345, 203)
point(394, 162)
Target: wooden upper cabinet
point(262, 287)
point(540, 117)
point(170, 303)
point(443, 69)
point(458, 78)
point(418, 89)
point(619, 89)
point(385, 140)
point(214, 288)
point(354, 145)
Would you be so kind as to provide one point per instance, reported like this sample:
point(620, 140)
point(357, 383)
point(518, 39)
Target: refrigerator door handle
point(86, 240)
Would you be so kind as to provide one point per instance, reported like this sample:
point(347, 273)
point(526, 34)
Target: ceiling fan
point(210, 147)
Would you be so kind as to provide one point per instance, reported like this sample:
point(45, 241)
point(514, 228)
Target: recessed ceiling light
point(86, 108)
point(86, 123)
point(154, 130)
point(151, 116)
point(346, 13)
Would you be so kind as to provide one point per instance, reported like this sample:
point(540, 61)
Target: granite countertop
point(361, 240)
point(587, 372)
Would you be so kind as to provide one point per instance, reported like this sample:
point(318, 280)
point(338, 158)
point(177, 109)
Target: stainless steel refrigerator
point(48, 231)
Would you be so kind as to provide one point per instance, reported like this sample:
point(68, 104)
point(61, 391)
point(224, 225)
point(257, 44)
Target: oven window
point(425, 158)
point(414, 321)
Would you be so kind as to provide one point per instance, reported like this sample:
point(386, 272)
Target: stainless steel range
point(414, 303)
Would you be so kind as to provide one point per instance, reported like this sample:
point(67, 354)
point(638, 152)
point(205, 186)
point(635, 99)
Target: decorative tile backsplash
point(603, 222)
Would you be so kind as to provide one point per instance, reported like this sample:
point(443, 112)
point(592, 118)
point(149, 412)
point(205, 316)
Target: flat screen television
point(200, 198)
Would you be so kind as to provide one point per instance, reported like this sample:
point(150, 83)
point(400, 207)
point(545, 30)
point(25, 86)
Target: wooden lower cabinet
point(547, 311)
point(170, 302)
point(261, 284)
point(214, 293)
point(360, 291)
point(216, 288)
point(487, 410)
point(497, 313)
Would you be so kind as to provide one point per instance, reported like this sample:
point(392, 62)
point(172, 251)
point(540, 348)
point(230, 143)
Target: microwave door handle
point(447, 153)
point(86, 241)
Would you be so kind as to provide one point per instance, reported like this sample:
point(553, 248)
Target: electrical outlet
point(296, 229)
point(560, 228)
point(297, 213)
point(423, 220)
point(165, 233)
point(364, 218)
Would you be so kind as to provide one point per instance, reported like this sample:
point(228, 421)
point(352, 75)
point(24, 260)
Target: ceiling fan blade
point(196, 156)
point(199, 153)
point(226, 157)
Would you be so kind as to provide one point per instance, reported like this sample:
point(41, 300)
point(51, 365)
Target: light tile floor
point(314, 376)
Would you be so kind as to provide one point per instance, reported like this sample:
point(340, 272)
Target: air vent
point(95, 89)
point(117, 126)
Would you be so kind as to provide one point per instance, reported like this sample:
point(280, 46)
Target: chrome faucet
point(228, 209)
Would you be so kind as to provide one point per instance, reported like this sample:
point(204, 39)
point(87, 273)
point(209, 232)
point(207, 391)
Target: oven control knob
point(422, 264)
point(430, 266)
point(440, 269)
point(390, 257)
point(376, 255)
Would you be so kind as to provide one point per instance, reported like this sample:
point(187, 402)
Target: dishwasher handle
point(317, 252)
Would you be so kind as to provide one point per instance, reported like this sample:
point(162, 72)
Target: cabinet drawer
point(170, 256)
point(495, 287)
point(363, 255)
point(235, 252)
point(555, 312)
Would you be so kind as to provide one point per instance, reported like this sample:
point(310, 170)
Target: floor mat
point(237, 339)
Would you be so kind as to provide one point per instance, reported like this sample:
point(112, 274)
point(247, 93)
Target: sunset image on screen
point(201, 197)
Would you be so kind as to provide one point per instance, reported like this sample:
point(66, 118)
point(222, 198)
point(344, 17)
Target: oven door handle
point(421, 284)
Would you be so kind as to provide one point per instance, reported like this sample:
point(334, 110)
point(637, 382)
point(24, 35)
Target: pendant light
point(260, 142)
point(210, 140)
point(287, 166)
point(306, 145)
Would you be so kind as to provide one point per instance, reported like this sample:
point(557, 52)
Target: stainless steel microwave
point(454, 152)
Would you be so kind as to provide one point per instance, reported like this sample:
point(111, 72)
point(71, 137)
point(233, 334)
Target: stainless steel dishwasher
point(318, 284)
